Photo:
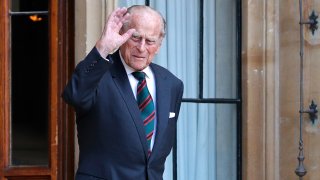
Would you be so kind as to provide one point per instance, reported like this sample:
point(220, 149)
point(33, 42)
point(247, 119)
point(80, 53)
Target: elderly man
point(126, 106)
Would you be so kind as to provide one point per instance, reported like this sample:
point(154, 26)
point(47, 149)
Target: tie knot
point(139, 75)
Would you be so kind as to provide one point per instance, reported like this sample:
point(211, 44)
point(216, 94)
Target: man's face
point(139, 51)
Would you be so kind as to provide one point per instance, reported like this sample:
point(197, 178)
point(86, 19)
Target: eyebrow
point(136, 34)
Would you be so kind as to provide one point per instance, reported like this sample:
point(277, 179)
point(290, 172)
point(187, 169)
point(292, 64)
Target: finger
point(117, 13)
point(126, 17)
point(114, 13)
point(111, 18)
point(121, 12)
point(125, 36)
point(123, 20)
point(118, 16)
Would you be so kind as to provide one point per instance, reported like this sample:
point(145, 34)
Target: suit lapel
point(163, 104)
point(121, 81)
point(163, 101)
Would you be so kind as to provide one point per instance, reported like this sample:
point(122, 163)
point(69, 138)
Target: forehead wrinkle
point(150, 30)
point(146, 36)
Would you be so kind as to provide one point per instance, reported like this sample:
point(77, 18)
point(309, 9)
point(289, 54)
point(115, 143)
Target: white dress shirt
point(151, 87)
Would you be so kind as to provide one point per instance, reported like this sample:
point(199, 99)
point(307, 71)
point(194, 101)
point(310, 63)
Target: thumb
point(127, 35)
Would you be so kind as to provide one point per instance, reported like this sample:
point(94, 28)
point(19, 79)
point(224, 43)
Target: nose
point(142, 45)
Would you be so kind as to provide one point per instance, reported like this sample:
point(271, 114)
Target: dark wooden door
point(36, 56)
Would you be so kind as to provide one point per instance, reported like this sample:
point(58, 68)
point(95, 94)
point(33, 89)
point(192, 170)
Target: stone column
point(260, 89)
point(90, 17)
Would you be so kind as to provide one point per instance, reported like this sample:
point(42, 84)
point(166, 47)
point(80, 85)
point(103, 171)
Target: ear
point(158, 49)
point(159, 46)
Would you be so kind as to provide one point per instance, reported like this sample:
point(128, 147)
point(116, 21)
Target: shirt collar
point(130, 70)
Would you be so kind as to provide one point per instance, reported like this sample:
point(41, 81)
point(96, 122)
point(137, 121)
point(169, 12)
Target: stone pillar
point(260, 89)
point(90, 17)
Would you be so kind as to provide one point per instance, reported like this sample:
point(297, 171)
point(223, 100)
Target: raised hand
point(111, 39)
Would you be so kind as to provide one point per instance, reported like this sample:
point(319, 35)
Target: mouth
point(139, 57)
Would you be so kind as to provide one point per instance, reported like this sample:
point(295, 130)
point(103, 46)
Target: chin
point(139, 66)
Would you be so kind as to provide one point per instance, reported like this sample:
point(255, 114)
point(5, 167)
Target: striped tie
point(146, 106)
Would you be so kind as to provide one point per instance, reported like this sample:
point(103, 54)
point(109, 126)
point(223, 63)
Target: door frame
point(61, 117)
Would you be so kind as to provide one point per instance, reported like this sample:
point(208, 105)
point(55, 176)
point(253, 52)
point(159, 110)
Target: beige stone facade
point(90, 17)
point(271, 99)
point(271, 62)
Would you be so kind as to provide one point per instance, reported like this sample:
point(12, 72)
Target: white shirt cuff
point(104, 58)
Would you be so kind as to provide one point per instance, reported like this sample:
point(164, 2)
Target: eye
point(135, 37)
point(151, 41)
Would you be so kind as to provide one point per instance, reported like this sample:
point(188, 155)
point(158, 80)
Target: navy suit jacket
point(111, 135)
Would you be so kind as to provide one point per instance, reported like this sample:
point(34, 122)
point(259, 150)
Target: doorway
point(36, 58)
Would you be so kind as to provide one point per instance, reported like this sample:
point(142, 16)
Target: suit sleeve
point(81, 90)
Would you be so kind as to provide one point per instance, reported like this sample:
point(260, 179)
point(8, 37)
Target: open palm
point(111, 39)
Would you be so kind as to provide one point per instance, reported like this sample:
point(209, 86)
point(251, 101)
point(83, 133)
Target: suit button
point(88, 70)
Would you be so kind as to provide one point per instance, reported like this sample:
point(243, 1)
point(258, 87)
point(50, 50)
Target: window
point(29, 82)
point(34, 64)
point(202, 47)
